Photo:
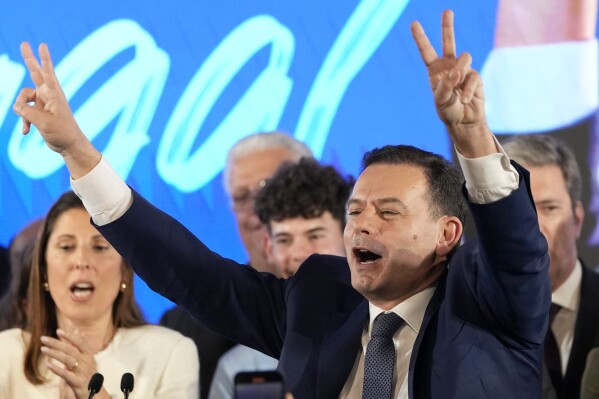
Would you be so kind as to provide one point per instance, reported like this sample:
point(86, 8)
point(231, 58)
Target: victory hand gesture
point(457, 91)
point(46, 107)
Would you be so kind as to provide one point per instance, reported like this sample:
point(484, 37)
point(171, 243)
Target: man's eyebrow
point(549, 201)
point(353, 201)
point(379, 201)
point(282, 234)
point(315, 230)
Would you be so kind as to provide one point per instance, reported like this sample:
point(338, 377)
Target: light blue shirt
point(239, 358)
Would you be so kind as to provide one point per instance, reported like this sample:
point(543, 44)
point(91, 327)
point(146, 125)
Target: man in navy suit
point(556, 184)
point(473, 318)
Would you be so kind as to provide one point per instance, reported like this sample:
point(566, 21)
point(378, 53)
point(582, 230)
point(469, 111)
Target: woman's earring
point(123, 287)
point(46, 286)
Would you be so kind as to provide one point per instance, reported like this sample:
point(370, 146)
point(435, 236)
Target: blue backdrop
point(165, 88)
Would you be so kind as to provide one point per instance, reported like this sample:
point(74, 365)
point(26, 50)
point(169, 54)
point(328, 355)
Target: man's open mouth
point(366, 256)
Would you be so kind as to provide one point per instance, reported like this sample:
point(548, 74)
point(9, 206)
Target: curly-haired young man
point(303, 208)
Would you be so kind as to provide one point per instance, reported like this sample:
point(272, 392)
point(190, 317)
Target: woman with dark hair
point(82, 319)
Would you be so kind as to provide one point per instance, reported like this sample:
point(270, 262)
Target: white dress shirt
point(412, 312)
point(567, 296)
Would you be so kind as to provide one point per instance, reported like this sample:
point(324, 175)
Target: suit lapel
point(431, 312)
point(338, 352)
point(585, 331)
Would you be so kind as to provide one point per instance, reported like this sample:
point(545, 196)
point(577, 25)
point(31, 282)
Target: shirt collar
point(567, 294)
point(411, 310)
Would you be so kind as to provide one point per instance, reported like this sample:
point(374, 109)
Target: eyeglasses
point(243, 199)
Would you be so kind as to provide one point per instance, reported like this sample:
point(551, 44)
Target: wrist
point(81, 157)
point(473, 140)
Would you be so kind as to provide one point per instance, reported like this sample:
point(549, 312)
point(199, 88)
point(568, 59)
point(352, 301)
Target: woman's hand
point(74, 352)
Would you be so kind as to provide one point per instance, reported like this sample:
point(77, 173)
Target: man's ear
point(449, 235)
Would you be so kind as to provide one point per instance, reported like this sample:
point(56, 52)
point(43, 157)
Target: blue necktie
point(379, 361)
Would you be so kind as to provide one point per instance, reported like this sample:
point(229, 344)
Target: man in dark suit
point(464, 322)
point(556, 186)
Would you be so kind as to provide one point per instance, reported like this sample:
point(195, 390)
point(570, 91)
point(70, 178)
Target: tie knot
point(386, 324)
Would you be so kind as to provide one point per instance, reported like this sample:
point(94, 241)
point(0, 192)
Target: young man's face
point(293, 240)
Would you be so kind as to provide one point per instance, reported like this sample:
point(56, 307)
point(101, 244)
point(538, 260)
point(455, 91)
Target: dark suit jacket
point(482, 332)
point(210, 345)
point(586, 336)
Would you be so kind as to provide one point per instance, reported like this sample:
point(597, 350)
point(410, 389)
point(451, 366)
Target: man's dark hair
point(443, 179)
point(543, 150)
point(304, 189)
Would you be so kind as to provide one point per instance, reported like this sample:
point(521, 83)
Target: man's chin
point(364, 284)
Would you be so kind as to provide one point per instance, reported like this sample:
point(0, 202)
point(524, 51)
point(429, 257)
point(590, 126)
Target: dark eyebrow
point(353, 201)
point(380, 201)
point(311, 231)
point(391, 200)
point(282, 234)
point(549, 202)
point(315, 230)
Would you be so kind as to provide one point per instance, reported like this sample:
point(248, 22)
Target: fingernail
point(44, 349)
point(44, 339)
point(61, 332)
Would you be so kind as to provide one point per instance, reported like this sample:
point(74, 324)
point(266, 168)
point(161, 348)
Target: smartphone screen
point(259, 385)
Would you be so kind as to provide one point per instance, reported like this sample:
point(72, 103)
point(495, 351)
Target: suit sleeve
point(508, 270)
point(232, 299)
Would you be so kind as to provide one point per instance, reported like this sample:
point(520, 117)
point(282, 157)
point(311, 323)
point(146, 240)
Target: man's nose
point(364, 223)
point(299, 253)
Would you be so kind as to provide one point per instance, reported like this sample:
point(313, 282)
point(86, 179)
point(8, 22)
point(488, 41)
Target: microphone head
point(95, 383)
point(127, 383)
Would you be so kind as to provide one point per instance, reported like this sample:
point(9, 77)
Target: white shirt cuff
point(540, 88)
point(489, 178)
point(104, 193)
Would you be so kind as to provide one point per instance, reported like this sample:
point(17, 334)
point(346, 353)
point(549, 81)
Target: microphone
point(127, 384)
point(95, 384)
